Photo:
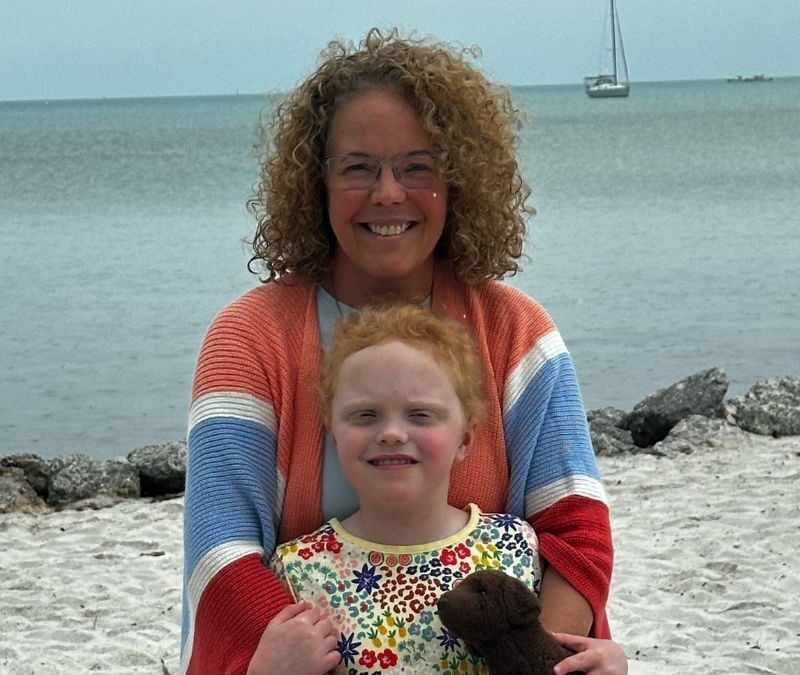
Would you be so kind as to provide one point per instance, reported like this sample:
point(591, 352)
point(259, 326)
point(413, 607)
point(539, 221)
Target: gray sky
point(94, 48)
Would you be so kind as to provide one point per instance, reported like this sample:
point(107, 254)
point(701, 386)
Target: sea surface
point(667, 241)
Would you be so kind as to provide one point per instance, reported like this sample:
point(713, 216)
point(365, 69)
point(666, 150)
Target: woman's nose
point(387, 189)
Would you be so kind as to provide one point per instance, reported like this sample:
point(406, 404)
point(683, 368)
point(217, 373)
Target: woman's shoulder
point(510, 311)
point(273, 304)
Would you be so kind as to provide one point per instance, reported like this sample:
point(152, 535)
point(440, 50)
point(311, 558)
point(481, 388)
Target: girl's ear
point(467, 439)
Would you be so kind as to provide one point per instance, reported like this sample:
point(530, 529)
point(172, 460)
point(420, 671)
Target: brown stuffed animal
point(497, 616)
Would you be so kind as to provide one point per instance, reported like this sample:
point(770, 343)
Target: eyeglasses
point(354, 171)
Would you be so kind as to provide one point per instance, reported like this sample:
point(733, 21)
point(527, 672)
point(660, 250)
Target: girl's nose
point(391, 433)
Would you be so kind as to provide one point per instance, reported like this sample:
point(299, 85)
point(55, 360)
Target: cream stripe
point(232, 404)
point(209, 565)
point(578, 484)
point(547, 347)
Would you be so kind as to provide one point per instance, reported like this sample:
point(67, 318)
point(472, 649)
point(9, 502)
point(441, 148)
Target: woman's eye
point(419, 167)
point(357, 169)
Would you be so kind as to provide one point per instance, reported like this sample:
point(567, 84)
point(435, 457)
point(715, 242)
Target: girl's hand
point(593, 656)
point(300, 640)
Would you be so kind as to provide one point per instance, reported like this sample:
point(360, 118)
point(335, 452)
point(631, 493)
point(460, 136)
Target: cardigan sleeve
point(554, 478)
point(233, 485)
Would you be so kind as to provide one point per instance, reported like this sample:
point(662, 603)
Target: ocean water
point(667, 240)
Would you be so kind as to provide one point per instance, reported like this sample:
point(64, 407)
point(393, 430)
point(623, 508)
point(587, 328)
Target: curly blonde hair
point(472, 125)
point(445, 339)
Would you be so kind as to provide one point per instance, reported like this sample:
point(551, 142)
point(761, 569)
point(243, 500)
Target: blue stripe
point(547, 437)
point(231, 487)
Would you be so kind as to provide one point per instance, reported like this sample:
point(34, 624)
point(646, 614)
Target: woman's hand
point(300, 640)
point(593, 656)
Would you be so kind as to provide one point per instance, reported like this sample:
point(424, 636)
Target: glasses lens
point(355, 171)
point(418, 170)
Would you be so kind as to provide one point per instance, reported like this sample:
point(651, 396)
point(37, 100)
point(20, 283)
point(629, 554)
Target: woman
point(391, 173)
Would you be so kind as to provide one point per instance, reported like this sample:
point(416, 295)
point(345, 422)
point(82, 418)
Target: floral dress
point(383, 598)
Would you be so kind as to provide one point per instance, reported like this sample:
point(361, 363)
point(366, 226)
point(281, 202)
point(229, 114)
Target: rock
point(120, 478)
point(770, 408)
point(607, 437)
point(699, 394)
point(162, 468)
point(36, 470)
point(698, 432)
point(78, 477)
point(17, 494)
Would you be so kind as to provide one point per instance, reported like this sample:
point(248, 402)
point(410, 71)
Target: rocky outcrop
point(608, 438)
point(17, 494)
point(692, 414)
point(31, 483)
point(34, 467)
point(652, 418)
point(697, 432)
point(770, 408)
point(162, 468)
point(73, 478)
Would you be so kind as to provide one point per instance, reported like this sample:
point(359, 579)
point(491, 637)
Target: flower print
point(368, 658)
point(387, 658)
point(414, 629)
point(462, 551)
point(305, 553)
point(448, 556)
point(504, 520)
point(347, 648)
point(367, 578)
point(412, 570)
point(428, 633)
point(334, 546)
point(448, 640)
point(318, 546)
point(464, 567)
point(426, 617)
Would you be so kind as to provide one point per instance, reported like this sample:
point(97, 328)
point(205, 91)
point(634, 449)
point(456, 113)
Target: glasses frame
point(391, 161)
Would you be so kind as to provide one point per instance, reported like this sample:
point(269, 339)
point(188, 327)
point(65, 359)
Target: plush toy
point(497, 616)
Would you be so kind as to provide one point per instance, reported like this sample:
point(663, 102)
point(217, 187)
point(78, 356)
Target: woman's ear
point(467, 439)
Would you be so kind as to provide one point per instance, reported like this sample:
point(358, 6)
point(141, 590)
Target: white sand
point(706, 576)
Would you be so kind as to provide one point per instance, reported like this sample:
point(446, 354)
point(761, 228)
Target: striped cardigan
point(256, 444)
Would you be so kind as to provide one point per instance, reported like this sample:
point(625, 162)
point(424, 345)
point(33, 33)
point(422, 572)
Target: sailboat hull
point(608, 90)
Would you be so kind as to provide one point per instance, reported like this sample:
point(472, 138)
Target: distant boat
point(752, 78)
point(614, 84)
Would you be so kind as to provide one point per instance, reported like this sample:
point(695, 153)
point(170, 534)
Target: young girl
point(401, 395)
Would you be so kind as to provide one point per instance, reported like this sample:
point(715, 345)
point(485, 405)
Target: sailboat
point(615, 83)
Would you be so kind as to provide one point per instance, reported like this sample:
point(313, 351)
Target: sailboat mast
point(614, 38)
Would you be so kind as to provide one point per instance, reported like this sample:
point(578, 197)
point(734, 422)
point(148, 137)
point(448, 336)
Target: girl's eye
point(421, 415)
point(363, 415)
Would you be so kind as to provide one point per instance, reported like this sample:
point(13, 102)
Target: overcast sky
point(93, 48)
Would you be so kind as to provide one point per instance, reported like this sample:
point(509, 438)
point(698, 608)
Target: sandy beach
point(705, 575)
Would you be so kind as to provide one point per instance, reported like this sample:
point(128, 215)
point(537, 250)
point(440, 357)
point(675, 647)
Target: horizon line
point(271, 93)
